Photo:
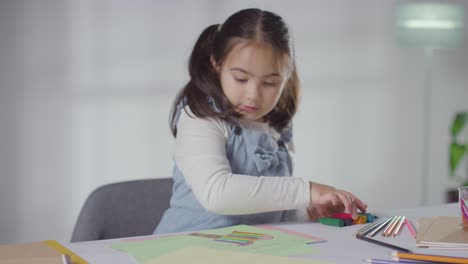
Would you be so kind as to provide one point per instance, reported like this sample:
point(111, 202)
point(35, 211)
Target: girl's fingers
point(347, 202)
point(356, 204)
point(336, 200)
point(361, 205)
point(353, 207)
point(322, 211)
point(313, 214)
point(352, 203)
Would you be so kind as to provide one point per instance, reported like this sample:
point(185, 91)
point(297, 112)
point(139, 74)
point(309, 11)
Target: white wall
point(86, 88)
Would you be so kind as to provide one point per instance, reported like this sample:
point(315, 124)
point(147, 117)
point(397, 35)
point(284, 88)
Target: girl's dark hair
point(217, 41)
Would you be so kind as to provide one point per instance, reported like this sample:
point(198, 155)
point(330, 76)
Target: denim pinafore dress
point(250, 151)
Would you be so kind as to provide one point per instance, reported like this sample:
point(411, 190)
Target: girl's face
point(252, 79)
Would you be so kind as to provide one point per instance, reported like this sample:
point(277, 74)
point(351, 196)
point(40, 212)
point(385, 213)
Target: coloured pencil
point(380, 243)
point(398, 228)
point(382, 225)
point(389, 261)
point(390, 224)
point(367, 229)
point(464, 208)
point(426, 257)
point(388, 231)
point(410, 227)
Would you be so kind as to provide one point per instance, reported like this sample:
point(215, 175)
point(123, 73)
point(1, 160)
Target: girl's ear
point(214, 64)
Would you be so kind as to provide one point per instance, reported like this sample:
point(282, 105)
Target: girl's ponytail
point(203, 80)
point(199, 61)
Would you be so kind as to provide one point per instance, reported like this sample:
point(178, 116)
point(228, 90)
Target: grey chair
point(123, 209)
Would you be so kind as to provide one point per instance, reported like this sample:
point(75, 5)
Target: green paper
point(201, 255)
point(281, 244)
point(145, 250)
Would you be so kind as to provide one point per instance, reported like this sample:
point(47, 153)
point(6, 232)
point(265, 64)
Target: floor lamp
point(428, 26)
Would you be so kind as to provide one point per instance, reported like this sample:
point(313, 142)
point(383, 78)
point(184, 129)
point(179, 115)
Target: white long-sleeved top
point(200, 155)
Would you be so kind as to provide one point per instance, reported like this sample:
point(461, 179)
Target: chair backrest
point(123, 209)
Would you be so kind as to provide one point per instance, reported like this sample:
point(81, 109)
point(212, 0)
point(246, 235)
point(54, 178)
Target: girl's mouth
point(248, 109)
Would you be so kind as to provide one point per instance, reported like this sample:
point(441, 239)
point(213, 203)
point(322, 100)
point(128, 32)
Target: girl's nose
point(253, 91)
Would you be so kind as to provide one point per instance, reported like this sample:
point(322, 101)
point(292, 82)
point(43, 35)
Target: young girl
point(232, 125)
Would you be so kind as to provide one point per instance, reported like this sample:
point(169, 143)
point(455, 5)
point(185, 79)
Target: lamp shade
point(434, 25)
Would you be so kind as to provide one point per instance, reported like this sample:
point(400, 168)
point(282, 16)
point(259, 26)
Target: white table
point(341, 245)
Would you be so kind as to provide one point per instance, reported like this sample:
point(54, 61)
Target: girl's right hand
point(326, 200)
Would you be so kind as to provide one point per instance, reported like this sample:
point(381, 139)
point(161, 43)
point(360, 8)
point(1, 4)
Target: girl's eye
point(240, 80)
point(269, 84)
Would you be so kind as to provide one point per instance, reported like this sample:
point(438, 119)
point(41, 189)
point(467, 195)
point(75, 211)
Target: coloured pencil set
point(387, 227)
point(391, 226)
point(463, 197)
point(402, 257)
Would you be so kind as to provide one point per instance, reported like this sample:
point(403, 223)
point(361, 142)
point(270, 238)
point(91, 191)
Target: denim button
point(237, 130)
